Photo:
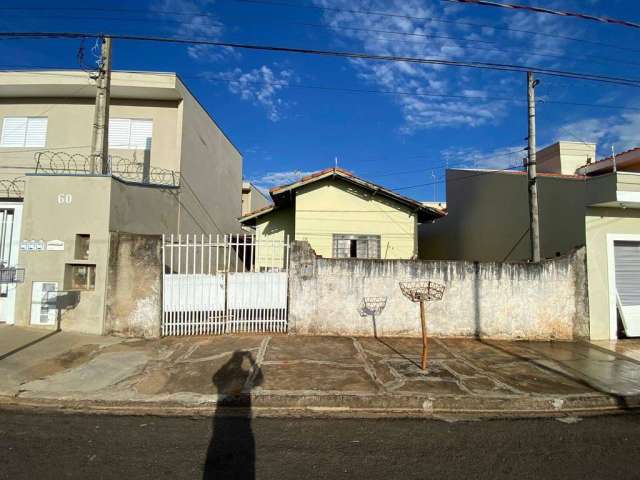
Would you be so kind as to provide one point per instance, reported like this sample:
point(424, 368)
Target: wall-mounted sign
point(55, 245)
point(32, 245)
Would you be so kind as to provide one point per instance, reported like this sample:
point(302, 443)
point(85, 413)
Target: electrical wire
point(437, 20)
point(549, 11)
point(343, 54)
point(207, 78)
point(502, 49)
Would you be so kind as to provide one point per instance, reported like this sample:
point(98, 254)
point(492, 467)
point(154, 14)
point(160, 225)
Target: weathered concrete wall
point(134, 285)
point(497, 300)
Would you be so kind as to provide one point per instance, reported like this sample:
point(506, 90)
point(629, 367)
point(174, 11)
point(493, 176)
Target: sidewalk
point(285, 375)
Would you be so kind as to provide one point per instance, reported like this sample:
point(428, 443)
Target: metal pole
point(100, 136)
point(534, 228)
point(425, 345)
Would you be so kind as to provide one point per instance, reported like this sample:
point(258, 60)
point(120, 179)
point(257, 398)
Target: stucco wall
point(211, 168)
point(70, 122)
point(134, 286)
point(84, 210)
point(488, 218)
point(98, 205)
point(599, 223)
point(336, 207)
point(253, 199)
point(276, 226)
point(498, 300)
point(143, 209)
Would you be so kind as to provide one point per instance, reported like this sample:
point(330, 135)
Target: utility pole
point(100, 135)
point(534, 227)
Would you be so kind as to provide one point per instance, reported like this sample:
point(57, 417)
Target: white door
point(44, 298)
point(627, 268)
point(10, 217)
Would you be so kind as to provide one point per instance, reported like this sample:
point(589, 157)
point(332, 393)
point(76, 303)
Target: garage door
point(627, 259)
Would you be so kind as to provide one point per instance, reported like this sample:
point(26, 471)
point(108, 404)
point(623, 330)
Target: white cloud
point(499, 158)
point(275, 179)
point(425, 109)
point(261, 86)
point(201, 25)
point(619, 131)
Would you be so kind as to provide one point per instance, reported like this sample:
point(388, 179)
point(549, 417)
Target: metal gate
point(222, 284)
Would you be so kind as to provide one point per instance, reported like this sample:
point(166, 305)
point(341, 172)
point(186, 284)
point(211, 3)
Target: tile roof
point(277, 192)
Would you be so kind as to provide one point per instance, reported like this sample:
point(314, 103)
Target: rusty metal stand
point(423, 292)
point(425, 341)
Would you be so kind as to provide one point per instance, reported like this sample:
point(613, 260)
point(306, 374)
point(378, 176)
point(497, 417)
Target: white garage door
point(627, 259)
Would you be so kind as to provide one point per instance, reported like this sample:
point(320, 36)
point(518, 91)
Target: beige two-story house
point(171, 170)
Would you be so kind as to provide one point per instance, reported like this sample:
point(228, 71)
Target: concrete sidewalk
point(314, 375)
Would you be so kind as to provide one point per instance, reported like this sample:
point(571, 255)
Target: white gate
point(224, 284)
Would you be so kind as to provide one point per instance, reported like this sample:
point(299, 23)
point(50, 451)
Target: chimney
point(565, 157)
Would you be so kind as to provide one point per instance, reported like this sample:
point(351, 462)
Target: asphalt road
point(45, 446)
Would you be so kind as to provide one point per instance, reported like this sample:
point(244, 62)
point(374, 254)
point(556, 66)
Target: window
point(80, 277)
point(82, 246)
point(132, 134)
point(24, 132)
point(356, 246)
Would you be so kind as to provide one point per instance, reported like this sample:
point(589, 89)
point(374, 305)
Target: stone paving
point(321, 374)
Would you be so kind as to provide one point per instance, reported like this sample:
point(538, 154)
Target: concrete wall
point(98, 205)
point(134, 286)
point(84, 210)
point(143, 209)
point(601, 223)
point(335, 207)
point(211, 174)
point(488, 218)
point(498, 300)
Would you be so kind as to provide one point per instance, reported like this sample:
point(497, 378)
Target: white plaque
point(55, 245)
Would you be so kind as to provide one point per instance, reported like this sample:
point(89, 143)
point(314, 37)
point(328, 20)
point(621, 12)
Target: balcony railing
point(63, 163)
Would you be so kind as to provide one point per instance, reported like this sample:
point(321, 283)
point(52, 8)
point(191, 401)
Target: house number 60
point(65, 198)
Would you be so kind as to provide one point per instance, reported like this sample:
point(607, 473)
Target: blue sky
point(288, 114)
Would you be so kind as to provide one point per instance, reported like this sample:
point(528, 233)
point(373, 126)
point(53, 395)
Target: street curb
point(341, 406)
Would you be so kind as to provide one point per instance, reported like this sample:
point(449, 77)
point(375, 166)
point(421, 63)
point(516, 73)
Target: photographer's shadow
point(231, 452)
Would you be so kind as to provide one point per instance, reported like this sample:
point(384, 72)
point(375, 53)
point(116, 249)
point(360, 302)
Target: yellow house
point(341, 216)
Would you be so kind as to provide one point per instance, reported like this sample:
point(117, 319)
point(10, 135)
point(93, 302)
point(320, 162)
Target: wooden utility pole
point(100, 136)
point(534, 223)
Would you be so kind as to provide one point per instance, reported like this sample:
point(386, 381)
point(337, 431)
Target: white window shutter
point(36, 135)
point(119, 132)
point(141, 131)
point(14, 130)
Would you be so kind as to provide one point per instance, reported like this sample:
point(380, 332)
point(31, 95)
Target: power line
point(549, 11)
point(443, 165)
point(342, 54)
point(510, 49)
point(346, 90)
point(476, 174)
point(437, 20)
